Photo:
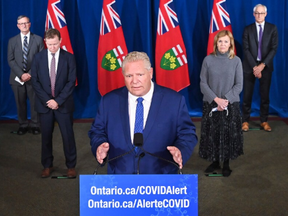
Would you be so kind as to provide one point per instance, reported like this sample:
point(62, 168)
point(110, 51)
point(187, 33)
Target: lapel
point(123, 101)
point(60, 63)
point(45, 65)
point(254, 32)
point(154, 109)
point(31, 41)
point(265, 33)
point(19, 43)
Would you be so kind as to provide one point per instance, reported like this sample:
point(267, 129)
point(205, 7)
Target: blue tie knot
point(140, 99)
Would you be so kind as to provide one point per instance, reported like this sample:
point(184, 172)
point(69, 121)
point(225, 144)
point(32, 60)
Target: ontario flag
point(170, 54)
point(220, 20)
point(55, 19)
point(111, 49)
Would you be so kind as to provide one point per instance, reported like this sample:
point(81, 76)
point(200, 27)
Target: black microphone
point(138, 166)
point(138, 142)
point(107, 161)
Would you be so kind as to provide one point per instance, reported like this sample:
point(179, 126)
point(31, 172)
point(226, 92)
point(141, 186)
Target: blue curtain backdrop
point(139, 21)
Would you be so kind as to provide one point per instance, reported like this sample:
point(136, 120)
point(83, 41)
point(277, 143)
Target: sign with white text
point(139, 195)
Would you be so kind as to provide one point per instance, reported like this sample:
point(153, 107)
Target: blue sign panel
point(153, 195)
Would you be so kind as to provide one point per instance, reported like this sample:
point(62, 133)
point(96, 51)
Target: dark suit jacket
point(64, 85)
point(250, 46)
point(15, 58)
point(168, 124)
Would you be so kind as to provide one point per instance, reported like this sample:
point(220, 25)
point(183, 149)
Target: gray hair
point(22, 16)
point(258, 5)
point(137, 56)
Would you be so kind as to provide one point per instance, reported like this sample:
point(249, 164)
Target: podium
point(138, 195)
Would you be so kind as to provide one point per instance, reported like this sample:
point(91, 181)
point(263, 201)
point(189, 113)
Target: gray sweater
point(221, 77)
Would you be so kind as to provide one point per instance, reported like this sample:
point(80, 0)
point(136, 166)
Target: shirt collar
point(28, 35)
point(262, 24)
point(56, 54)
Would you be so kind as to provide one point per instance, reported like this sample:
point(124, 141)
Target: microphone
point(138, 142)
point(107, 161)
point(138, 166)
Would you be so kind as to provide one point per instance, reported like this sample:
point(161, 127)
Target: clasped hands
point(222, 103)
point(257, 70)
point(52, 104)
point(25, 77)
point(102, 151)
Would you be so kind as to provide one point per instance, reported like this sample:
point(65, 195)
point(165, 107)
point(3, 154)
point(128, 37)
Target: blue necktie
point(139, 118)
point(260, 43)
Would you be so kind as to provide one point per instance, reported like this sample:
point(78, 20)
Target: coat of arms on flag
point(111, 49)
point(171, 59)
point(112, 60)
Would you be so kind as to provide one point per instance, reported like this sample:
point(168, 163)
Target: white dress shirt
point(258, 28)
point(132, 104)
point(56, 60)
point(22, 38)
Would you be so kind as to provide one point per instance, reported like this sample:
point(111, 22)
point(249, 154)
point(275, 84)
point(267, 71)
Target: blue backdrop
point(139, 21)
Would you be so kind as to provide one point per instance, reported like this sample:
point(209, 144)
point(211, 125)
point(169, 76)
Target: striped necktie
point(25, 53)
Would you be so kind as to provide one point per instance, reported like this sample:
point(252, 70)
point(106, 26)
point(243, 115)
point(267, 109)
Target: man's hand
point(52, 104)
point(25, 77)
point(101, 152)
point(257, 70)
point(177, 156)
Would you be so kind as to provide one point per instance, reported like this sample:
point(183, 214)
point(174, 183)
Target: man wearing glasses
point(260, 42)
point(21, 49)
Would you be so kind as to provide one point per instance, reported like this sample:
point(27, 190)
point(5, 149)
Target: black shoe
point(35, 130)
point(226, 171)
point(22, 130)
point(212, 167)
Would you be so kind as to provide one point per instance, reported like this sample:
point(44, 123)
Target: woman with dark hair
point(221, 84)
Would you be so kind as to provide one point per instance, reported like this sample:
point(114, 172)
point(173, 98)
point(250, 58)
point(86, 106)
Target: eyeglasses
point(256, 13)
point(21, 24)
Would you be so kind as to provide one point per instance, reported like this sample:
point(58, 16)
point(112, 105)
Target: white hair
point(258, 5)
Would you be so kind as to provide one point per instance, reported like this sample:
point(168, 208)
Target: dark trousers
point(249, 82)
point(21, 93)
point(65, 122)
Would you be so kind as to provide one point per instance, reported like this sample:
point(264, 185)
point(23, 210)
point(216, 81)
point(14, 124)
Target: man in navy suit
point(20, 76)
point(258, 63)
point(53, 79)
point(168, 130)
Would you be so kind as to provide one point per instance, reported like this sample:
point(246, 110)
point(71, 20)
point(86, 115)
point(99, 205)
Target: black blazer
point(65, 81)
point(250, 46)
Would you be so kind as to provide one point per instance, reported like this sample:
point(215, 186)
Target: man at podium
point(158, 114)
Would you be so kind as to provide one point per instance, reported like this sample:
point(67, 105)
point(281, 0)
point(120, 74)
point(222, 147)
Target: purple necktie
point(53, 74)
point(260, 43)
